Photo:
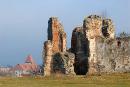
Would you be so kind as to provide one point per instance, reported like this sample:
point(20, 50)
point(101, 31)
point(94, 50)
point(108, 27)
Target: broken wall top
point(56, 35)
point(96, 26)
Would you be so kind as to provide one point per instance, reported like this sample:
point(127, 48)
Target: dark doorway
point(81, 68)
point(80, 47)
point(81, 64)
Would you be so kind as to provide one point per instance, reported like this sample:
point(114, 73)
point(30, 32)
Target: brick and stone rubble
point(63, 63)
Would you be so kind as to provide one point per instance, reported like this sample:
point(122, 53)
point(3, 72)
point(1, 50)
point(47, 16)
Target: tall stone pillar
point(93, 28)
point(48, 61)
point(54, 46)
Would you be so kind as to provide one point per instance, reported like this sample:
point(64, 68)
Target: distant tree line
point(123, 35)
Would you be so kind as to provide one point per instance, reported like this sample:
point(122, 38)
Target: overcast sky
point(23, 23)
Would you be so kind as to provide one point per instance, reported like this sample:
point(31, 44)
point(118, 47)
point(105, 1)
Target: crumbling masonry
point(94, 49)
point(56, 58)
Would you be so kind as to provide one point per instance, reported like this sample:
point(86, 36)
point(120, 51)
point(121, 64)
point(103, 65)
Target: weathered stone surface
point(48, 61)
point(92, 26)
point(114, 57)
point(108, 28)
point(56, 59)
point(63, 63)
point(57, 35)
point(106, 54)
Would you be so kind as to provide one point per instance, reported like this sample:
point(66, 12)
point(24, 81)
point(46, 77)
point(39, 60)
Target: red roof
point(29, 65)
point(26, 67)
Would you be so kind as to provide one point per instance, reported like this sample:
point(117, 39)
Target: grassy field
point(114, 80)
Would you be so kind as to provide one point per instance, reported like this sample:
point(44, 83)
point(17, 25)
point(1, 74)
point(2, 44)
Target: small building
point(29, 68)
point(5, 71)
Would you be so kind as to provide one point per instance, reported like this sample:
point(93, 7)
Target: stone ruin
point(56, 58)
point(94, 49)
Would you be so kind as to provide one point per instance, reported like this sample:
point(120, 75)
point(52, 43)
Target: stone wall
point(113, 55)
point(94, 48)
point(104, 52)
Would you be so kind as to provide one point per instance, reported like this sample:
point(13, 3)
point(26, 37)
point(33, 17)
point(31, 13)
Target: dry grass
point(113, 80)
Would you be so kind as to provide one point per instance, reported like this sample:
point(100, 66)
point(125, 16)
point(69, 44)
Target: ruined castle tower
point(56, 58)
point(95, 27)
point(56, 43)
point(84, 42)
